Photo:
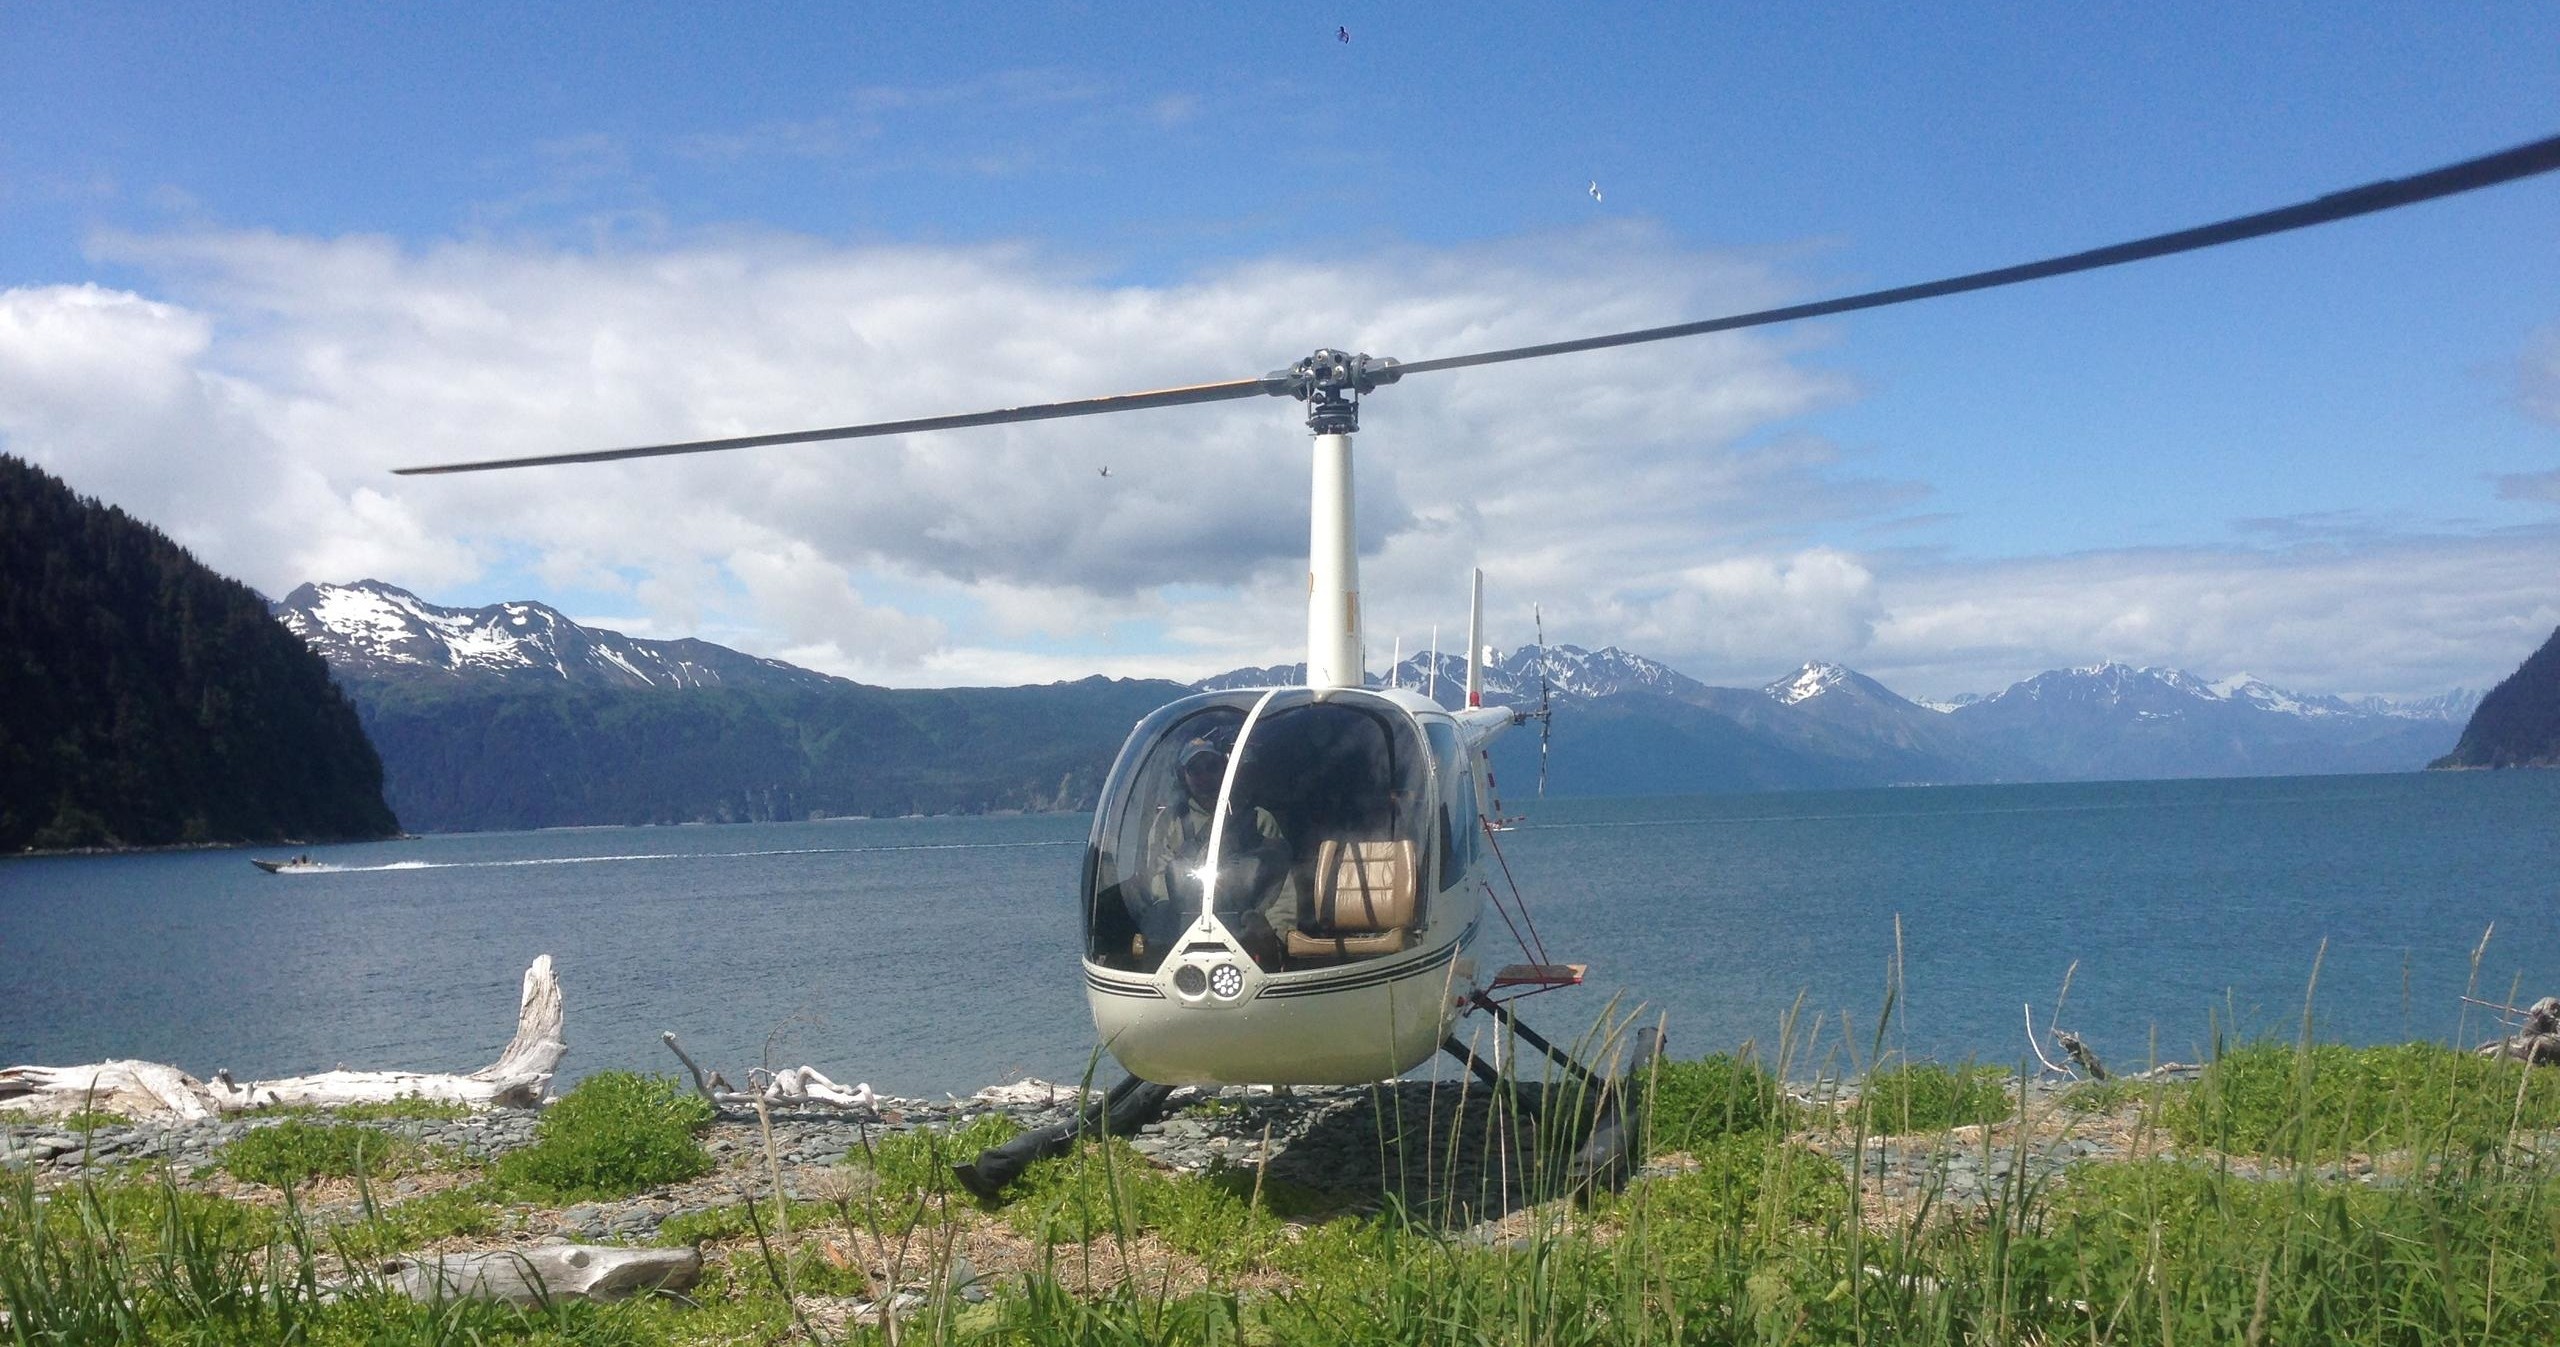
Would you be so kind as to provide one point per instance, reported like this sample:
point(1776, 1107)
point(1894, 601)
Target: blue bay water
point(926, 955)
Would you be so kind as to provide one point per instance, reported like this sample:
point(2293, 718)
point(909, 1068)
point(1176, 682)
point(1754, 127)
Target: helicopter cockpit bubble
point(1296, 819)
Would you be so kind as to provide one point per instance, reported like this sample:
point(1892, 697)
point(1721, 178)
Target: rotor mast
point(1330, 383)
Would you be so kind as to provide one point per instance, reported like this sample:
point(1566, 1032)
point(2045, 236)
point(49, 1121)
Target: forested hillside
point(520, 755)
point(2518, 723)
point(146, 700)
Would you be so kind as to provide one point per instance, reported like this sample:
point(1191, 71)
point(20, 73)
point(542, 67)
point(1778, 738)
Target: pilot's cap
point(1203, 748)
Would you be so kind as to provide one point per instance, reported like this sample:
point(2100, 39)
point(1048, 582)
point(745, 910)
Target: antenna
point(1431, 685)
point(1395, 664)
point(1546, 713)
point(1475, 642)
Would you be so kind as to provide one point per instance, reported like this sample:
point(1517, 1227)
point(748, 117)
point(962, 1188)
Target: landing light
point(1227, 981)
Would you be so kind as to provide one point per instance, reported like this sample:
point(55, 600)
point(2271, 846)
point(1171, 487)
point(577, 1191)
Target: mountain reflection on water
point(926, 955)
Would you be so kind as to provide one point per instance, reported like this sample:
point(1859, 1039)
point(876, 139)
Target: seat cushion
point(1363, 888)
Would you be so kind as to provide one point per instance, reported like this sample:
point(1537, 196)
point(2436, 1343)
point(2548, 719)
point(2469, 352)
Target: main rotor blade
point(1043, 411)
point(2524, 161)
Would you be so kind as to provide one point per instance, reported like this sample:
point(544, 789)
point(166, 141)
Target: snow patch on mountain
point(370, 629)
point(1808, 682)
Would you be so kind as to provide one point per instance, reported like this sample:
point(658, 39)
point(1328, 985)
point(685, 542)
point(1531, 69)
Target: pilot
point(1257, 897)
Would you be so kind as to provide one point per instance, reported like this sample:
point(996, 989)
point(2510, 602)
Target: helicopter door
point(1299, 824)
point(1344, 780)
point(1147, 874)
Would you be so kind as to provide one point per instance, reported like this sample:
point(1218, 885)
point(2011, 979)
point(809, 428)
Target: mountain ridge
point(513, 714)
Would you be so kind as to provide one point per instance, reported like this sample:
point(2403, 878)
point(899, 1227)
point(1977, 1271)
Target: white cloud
point(1661, 497)
point(2398, 617)
point(823, 619)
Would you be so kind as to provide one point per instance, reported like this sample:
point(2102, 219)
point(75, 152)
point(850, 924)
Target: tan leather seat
point(1363, 902)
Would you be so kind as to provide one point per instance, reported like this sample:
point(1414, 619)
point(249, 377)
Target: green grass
point(400, 1226)
point(2275, 1099)
point(918, 1163)
point(616, 1134)
point(408, 1108)
point(1760, 1241)
point(1694, 1102)
point(2106, 1096)
point(292, 1153)
point(1927, 1097)
point(100, 1266)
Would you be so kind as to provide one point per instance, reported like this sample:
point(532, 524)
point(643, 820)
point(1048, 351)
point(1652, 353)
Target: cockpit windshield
point(1298, 821)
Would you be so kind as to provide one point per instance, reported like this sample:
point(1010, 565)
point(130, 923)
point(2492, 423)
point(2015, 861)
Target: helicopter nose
point(1209, 969)
point(1210, 978)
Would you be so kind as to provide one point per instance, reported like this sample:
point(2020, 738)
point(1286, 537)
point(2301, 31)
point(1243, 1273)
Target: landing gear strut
point(1130, 1105)
point(1610, 1152)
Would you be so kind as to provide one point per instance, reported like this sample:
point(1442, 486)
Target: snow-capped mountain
point(431, 681)
point(2114, 720)
point(2455, 706)
point(1631, 724)
point(373, 630)
point(1571, 673)
point(2169, 690)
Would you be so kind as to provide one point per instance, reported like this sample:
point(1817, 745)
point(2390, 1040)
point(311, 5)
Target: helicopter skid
point(1341, 1026)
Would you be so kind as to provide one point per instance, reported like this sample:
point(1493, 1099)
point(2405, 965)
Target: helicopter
point(1289, 885)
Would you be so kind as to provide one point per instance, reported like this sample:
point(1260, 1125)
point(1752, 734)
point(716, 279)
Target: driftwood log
point(793, 1087)
point(544, 1273)
point(519, 1078)
point(2537, 1041)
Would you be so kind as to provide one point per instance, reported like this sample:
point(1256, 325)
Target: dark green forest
point(146, 700)
point(2518, 723)
point(509, 755)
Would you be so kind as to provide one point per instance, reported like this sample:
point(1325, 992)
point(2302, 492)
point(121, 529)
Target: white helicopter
point(1288, 885)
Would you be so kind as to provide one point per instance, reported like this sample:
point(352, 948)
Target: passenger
point(1257, 896)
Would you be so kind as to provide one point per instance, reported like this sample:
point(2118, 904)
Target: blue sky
point(251, 257)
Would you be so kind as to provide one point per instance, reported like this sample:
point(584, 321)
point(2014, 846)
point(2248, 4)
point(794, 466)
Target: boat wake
point(681, 856)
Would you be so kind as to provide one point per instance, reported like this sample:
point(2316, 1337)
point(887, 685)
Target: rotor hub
point(1330, 383)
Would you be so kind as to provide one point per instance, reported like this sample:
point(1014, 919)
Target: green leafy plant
point(1716, 1096)
point(2329, 1099)
point(1925, 1097)
point(420, 1220)
point(294, 1152)
point(616, 1134)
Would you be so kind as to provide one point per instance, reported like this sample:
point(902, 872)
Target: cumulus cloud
point(1666, 498)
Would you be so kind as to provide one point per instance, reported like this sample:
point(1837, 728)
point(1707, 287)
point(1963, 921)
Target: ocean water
point(926, 955)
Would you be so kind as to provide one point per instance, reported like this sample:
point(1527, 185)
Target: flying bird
point(1106, 469)
point(1595, 189)
point(1342, 34)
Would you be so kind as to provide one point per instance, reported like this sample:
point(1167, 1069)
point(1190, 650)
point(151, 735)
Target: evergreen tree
point(2518, 723)
point(146, 700)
